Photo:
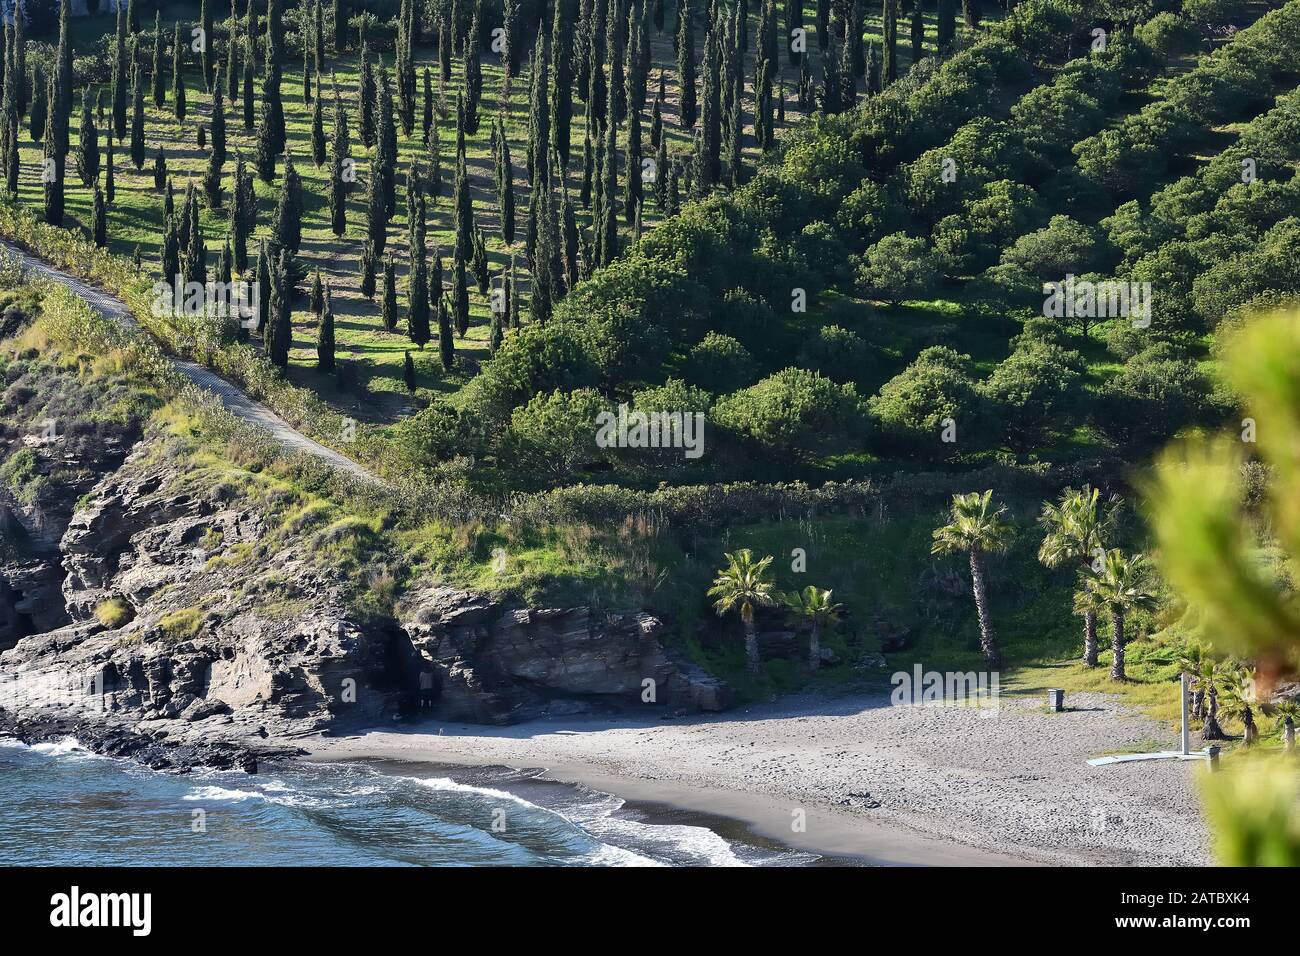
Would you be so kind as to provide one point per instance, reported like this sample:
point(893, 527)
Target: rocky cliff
point(190, 622)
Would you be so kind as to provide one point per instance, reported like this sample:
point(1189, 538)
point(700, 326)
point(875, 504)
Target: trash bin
point(1055, 699)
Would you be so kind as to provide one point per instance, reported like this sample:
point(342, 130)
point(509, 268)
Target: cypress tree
point(205, 48)
point(57, 122)
point(615, 49)
point(657, 114)
point(597, 89)
point(325, 336)
point(606, 224)
point(368, 270)
point(119, 77)
point(853, 44)
point(279, 330)
point(687, 65)
point(460, 295)
point(426, 118)
point(569, 235)
point(318, 40)
point(87, 144)
point(463, 207)
point(286, 227)
point(266, 151)
point(377, 221)
point(239, 219)
point(561, 118)
point(539, 134)
point(19, 47)
point(512, 295)
point(387, 136)
point(317, 129)
point(36, 119)
point(661, 175)
point(874, 82)
point(132, 17)
point(212, 188)
point(408, 372)
point(366, 97)
point(406, 67)
point(763, 130)
point(793, 22)
point(338, 195)
point(473, 72)
point(446, 346)
point(178, 75)
point(634, 186)
point(433, 163)
point(232, 77)
point(218, 132)
point(110, 187)
point(444, 50)
point(170, 256)
point(340, 26)
point(970, 11)
point(479, 264)
point(159, 169)
point(158, 86)
point(918, 32)
point(99, 229)
point(250, 117)
point(272, 105)
point(889, 41)
point(388, 306)
point(264, 289)
point(494, 329)
point(945, 26)
point(711, 117)
point(510, 25)
point(588, 159)
point(316, 297)
point(505, 184)
point(417, 316)
point(657, 16)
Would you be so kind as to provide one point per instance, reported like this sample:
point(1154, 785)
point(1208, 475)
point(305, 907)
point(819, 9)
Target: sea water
point(62, 805)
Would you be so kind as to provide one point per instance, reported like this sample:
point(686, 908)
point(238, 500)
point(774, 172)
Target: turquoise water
point(61, 805)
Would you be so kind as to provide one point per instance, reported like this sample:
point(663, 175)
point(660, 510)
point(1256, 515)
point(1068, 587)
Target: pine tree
point(388, 307)
point(325, 336)
point(561, 115)
point(119, 77)
point(178, 75)
point(87, 144)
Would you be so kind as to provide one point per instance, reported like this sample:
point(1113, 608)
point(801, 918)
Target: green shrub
point(114, 613)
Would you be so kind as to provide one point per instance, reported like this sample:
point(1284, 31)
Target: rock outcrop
point(482, 661)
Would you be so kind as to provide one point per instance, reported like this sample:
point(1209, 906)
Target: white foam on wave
point(61, 748)
point(690, 845)
point(222, 793)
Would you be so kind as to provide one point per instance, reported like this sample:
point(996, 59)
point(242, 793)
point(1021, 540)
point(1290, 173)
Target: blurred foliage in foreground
point(1209, 548)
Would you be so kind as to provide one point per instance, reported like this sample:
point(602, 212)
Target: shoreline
point(886, 785)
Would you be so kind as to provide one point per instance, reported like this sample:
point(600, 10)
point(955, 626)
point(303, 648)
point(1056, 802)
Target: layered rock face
point(481, 661)
point(174, 634)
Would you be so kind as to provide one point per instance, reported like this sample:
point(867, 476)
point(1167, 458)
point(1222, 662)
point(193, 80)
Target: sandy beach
point(892, 785)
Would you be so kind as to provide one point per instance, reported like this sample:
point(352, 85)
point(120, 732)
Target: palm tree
point(1211, 677)
point(1287, 715)
point(816, 607)
point(1238, 700)
point(743, 585)
point(1073, 533)
point(976, 528)
point(1118, 588)
point(1192, 663)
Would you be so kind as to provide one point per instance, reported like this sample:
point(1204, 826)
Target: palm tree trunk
point(751, 647)
point(1289, 736)
point(1248, 721)
point(1117, 646)
point(1198, 703)
point(814, 648)
point(1090, 638)
point(987, 641)
point(1212, 730)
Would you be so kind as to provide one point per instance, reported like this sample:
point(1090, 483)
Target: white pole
point(1182, 683)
